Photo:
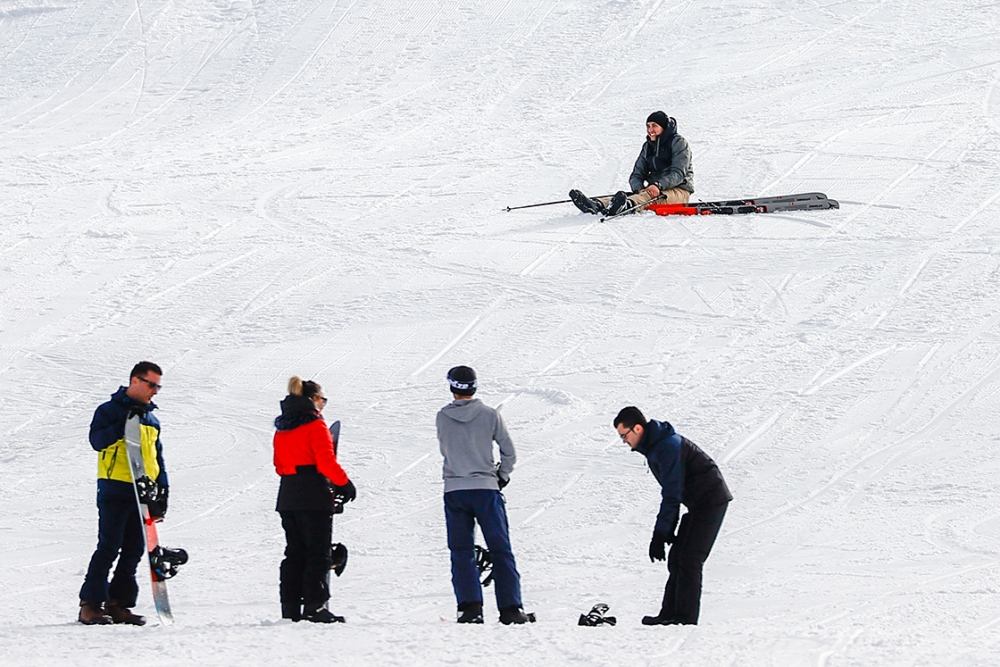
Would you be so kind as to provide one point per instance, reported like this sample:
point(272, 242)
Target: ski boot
point(586, 204)
point(620, 203)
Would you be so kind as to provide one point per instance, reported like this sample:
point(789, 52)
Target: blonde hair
point(299, 387)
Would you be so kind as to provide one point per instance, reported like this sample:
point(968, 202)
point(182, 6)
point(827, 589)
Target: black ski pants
point(695, 537)
point(305, 571)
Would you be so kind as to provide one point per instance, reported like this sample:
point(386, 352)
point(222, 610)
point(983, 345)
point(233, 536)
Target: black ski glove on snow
point(502, 480)
point(657, 550)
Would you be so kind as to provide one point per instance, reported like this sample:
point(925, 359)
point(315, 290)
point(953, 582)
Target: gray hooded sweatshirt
point(466, 429)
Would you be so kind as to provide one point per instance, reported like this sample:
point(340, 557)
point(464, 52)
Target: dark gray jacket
point(665, 162)
point(466, 430)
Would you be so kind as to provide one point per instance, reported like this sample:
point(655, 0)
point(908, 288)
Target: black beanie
point(659, 118)
point(462, 380)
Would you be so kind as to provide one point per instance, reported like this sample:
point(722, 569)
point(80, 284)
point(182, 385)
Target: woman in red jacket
point(310, 478)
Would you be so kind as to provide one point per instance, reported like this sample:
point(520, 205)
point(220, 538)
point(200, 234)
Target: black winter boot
point(470, 612)
point(661, 619)
point(322, 615)
point(515, 616)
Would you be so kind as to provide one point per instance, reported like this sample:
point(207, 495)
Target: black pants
point(695, 537)
point(305, 571)
point(119, 535)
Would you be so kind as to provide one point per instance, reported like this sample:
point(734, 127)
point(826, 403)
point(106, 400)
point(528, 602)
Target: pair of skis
point(805, 201)
point(163, 562)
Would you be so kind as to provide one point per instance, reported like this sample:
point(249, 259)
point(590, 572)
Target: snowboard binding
point(338, 558)
point(484, 563)
point(597, 617)
point(164, 562)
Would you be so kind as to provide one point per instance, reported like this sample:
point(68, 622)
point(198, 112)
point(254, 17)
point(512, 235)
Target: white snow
point(245, 190)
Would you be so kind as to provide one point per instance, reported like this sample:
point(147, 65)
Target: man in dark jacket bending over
point(687, 475)
point(663, 169)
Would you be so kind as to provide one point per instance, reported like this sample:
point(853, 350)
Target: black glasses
point(152, 385)
point(324, 400)
point(622, 435)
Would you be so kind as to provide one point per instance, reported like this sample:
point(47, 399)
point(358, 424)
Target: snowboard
point(162, 562)
point(338, 551)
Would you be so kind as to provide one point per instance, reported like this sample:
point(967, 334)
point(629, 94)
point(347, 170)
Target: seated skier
point(663, 168)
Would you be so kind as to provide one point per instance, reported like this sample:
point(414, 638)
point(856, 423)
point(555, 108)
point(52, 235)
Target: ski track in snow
point(245, 191)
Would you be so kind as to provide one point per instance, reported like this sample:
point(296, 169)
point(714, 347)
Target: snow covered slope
point(246, 190)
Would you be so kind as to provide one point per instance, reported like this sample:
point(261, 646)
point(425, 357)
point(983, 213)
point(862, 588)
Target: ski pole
point(635, 209)
point(550, 203)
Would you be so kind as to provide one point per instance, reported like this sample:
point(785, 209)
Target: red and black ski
point(805, 201)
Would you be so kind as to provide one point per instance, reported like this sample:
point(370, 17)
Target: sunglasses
point(152, 385)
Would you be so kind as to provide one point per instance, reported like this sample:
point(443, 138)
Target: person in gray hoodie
point(466, 430)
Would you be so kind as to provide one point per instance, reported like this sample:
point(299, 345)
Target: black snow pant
point(119, 536)
point(695, 537)
point(305, 571)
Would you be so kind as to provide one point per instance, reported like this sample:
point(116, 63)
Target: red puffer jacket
point(304, 457)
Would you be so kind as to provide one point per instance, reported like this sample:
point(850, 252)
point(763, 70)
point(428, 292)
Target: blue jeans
point(119, 535)
point(462, 509)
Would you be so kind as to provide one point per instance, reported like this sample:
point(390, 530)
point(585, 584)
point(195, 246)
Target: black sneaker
point(515, 616)
point(470, 612)
point(586, 204)
point(620, 203)
point(322, 615)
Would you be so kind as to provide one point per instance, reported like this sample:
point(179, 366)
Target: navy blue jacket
point(686, 474)
point(107, 429)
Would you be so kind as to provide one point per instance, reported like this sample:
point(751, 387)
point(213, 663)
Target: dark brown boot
point(120, 614)
point(92, 613)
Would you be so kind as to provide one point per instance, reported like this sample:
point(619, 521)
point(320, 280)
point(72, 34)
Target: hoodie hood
point(463, 410)
point(653, 434)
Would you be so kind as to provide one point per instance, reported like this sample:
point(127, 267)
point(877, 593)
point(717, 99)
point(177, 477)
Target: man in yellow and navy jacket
point(120, 528)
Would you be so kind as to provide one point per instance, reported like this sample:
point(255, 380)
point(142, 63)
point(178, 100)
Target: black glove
point(344, 494)
point(158, 504)
point(503, 479)
point(657, 551)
